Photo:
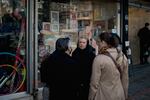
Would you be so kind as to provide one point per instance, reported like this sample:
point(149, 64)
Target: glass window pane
point(12, 46)
point(73, 19)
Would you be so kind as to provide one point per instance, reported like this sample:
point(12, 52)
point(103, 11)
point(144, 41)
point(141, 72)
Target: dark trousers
point(62, 94)
point(143, 50)
point(83, 92)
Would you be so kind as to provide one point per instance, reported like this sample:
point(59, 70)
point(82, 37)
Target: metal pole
point(30, 45)
point(35, 47)
point(118, 19)
point(124, 24)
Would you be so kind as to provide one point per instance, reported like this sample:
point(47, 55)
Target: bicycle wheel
point(13, 73)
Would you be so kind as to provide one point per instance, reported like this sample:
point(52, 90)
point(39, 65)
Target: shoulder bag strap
point(117, 65)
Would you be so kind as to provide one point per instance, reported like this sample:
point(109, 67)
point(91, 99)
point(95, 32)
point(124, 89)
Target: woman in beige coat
point(107, 81)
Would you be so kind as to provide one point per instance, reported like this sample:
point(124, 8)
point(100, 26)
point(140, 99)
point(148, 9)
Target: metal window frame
point(32, 47)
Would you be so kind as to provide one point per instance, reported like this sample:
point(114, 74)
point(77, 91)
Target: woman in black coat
point(61, 71)
point(84, 54)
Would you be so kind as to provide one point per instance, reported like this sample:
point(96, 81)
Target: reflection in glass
point(12, 43)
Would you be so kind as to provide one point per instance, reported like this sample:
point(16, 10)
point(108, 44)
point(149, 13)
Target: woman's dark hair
point(111, 39)
point(62, 44)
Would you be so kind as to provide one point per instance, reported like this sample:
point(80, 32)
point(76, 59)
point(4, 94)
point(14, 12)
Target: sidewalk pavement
point(139, 82)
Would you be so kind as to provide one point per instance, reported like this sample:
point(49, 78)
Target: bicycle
point(12, 70)
point(12, 77)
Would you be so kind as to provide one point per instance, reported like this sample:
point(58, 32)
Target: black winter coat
point(61, 76)
point(144, 34)
point(85, 59)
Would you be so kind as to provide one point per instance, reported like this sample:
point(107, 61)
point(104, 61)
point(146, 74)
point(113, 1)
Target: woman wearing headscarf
point(84, 55)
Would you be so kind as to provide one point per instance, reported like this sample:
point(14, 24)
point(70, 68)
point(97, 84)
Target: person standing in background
point(143, 35)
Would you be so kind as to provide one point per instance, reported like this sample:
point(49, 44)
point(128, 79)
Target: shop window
point(72, 19)
point(12, 46)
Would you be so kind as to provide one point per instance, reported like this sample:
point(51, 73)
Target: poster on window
point(46, 26)
point(54, 17)
point(55, 28)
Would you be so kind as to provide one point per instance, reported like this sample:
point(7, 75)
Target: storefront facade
point(71, 19)
point(29, 29)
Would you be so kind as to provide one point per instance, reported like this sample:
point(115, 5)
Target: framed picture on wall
point(54, 17)
point(55, 28)
point(46, 26)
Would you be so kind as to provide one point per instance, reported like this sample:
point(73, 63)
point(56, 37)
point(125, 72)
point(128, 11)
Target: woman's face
point(82, 43)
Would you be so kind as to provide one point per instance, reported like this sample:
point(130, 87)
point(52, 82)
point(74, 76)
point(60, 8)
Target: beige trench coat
point(105, 80)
